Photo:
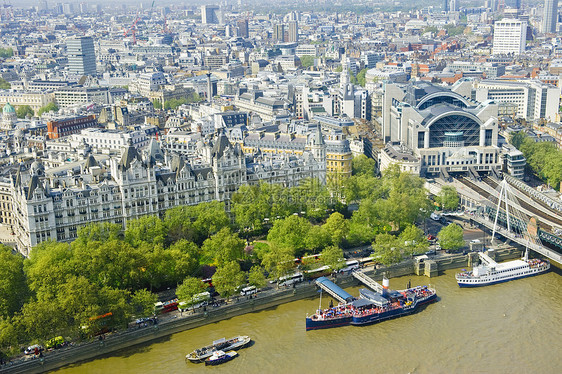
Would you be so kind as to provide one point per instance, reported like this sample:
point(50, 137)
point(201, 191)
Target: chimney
point(209, 88)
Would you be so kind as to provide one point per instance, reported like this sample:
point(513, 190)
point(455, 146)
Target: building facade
point(81, 56)
point(510, 36)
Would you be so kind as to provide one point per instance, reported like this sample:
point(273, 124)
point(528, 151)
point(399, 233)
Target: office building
point(243, 30)
point(293, 32)
point(210, 14)
point(279, 32)
point(81, 56)
point(445, 5)
point(550, 16)
point(510, 36)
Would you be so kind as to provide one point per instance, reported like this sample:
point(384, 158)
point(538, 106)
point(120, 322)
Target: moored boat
point(201, 354)
point(490, 272)
point(220, 357)
point(372, 306)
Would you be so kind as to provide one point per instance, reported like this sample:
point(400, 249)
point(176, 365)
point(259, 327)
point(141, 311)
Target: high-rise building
point(293, 31)
point(445, 5)
point(513, 4)
point(209, 14)
point(510, 36)
point(454, 6)
point(279, 32)
point(81, 56)
point(243, 30)
point(550, 16)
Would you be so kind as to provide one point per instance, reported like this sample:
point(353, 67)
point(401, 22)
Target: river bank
point(266, 299)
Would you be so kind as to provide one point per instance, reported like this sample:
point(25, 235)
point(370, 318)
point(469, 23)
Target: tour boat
point(371, 307)
point(220, 357)
point(223, 344)
point(490, 272)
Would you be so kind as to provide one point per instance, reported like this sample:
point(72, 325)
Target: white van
point(248, 291)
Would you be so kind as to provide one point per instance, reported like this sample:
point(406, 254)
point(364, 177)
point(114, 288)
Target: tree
point(517, 138)
point(361, 80)
point(223, 247)
point(23, 111)
point(339, 69)
point(157, 104)
point(149, 229)
point(448, 198)
point(317, 238)
point(4, 85)
point(256, 277)
point(13, 286)
point(363, 165)
point(332, 256)
point(228, 278)
point(190, 287)
point(290, 232)
point(387, 249)
point(142, 303)
point(48, 266)
point(279, 261)
point(451, 237)
point(51, 107)
point(338, 227)
point(307, 61)
point(6, 52)
point(414, 240)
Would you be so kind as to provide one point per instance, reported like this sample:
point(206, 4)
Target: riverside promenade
point(176, 322)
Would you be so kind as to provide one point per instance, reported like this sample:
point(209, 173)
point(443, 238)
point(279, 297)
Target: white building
point(533, 98)
point(510, 36)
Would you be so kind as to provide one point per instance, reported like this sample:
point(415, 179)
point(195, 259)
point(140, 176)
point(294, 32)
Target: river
point(513, 327)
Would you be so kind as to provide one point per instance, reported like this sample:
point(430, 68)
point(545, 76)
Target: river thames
point(513, 327)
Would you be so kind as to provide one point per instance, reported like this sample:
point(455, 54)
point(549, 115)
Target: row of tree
point(544, 158)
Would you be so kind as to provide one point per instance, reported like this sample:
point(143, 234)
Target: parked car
point(33, 349)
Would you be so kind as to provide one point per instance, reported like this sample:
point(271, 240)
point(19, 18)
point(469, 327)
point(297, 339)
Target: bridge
point(361, 277)
point(519, 239)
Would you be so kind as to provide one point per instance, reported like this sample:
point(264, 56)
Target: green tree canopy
point(223, 247)
point(332, 256)
point(190, 287)
point(256, 277)
point(142, 303)
point(6, 52)
point(307, 61)
point(4, 85)
point(448, 198)
point(290, 232)
point(338, 227)
point(517, 138)
point(51, 107)
point(148, 229)
point(13, 286)
point(363, 165)
point(361, 80)
point(414, 240)
point(228, 279)
point(279, 261)
point(387, 249)
point(317, 238)
point(451, 237)
point(23, 111)
point(157, 104)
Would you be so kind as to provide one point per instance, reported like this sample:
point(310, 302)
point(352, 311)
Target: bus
point(367, 261)
point(350, 265)
point(290, 279)
point(196, 301)
point(250, 290)
point(99, 324)
point(318, 272)
point(166, 306)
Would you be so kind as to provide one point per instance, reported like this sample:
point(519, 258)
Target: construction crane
point(133, 29)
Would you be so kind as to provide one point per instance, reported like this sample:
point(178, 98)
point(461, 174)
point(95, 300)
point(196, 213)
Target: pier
point(334, 290)
point(361, 277)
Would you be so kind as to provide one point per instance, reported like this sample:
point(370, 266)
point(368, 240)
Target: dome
point(37, 168)
point(8, 109)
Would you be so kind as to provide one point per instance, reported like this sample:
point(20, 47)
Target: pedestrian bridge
point(361, 277)
point(552, 255)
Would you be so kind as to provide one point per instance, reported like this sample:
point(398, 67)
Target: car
point(434, 216)
point(430, 252)
point(431, 238)
point(33, 349)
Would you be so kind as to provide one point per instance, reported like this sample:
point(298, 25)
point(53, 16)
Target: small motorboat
point(220, 357)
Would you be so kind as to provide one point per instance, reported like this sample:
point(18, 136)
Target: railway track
point(544, 217)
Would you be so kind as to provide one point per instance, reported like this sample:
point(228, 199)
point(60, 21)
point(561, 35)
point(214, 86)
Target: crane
point(133, 29)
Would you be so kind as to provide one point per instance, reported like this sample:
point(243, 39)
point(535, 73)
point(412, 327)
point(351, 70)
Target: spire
point(318, 138)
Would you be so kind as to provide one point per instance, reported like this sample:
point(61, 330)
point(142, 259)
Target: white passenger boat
point(490, 272)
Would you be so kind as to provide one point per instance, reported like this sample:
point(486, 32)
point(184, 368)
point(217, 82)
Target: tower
point(550, 16)
point(9, 117)
point(81, 56)
point(293, 32)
